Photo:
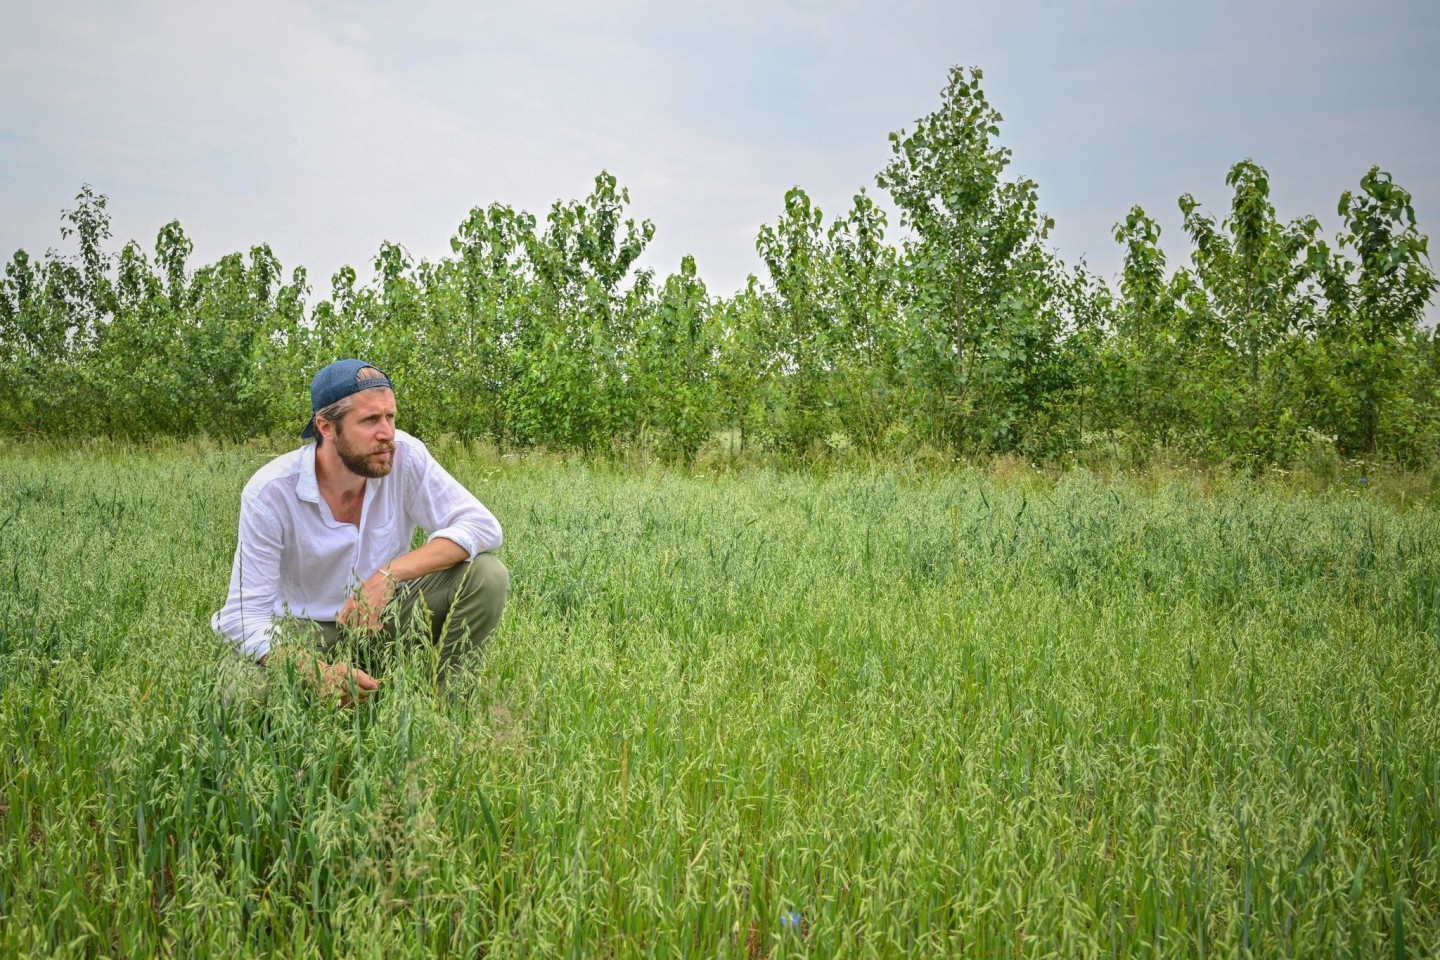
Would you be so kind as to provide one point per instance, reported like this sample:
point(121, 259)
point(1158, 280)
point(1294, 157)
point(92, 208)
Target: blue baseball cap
point(336, 382)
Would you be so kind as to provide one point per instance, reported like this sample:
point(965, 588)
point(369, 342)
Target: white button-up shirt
point(294, 558)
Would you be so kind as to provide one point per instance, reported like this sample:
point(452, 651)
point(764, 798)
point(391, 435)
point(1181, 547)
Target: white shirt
point(294, 558)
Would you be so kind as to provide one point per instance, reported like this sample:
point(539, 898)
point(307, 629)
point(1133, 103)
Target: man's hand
point(330, 680)
point(350, 684)
point(364, 608)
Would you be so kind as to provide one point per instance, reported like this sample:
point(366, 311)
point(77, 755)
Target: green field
point(761, 713)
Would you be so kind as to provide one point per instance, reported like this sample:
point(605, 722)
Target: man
point(325, 535)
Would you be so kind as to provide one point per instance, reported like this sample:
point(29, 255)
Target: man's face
point(365, 441)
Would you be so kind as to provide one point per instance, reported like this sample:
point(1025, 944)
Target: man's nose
point(387, 431)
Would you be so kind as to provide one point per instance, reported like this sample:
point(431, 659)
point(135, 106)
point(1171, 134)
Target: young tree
point(867, 337)
point(1375, 305)
point(575, 387)
point(1257, 308)
point(1143, 368)
point(980, 280)
point(481, 321)
point(32, 346)
point(672, 369)
point(800, 340)
point(741, 323)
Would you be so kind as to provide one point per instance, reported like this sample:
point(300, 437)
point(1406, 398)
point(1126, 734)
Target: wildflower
point(1364, 479)
point(790, 918)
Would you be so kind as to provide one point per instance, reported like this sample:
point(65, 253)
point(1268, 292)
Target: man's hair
point(340, 409)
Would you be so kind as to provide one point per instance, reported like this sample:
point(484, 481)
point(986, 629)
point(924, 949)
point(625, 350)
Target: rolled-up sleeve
point(247, 619)
point(442, 506)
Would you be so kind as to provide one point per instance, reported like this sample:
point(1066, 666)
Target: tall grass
point(754, 714)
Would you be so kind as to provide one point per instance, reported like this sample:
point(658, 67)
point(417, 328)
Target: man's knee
point(479, 602)
point(488, 577)
point(486, 585)
point(465, 600)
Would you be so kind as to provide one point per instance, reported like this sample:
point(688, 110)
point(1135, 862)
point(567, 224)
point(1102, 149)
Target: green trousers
point(455, 609)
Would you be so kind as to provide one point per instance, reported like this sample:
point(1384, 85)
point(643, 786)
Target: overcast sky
point(323, 128)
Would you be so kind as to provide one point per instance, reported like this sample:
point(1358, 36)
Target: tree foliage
point(969, 335)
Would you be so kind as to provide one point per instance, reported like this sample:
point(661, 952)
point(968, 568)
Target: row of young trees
point(969, 335)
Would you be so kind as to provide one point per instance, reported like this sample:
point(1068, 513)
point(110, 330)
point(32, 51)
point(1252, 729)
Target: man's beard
point(365, 464)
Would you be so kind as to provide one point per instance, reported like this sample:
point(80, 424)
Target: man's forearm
point(439, 554)
point(364, 610)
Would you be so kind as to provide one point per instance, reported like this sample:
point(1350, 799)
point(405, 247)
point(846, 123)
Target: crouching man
point(325, 535)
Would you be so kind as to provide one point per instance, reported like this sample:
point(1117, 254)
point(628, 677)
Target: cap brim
point(309, 432)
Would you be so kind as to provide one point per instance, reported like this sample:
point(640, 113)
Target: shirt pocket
point(384, 540)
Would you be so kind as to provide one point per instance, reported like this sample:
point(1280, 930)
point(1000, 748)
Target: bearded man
point(325, 534)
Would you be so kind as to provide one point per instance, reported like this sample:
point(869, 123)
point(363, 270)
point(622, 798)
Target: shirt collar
point(309, 487)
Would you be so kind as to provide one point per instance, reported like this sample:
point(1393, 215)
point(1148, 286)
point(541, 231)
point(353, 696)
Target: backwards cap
point(338, 381)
